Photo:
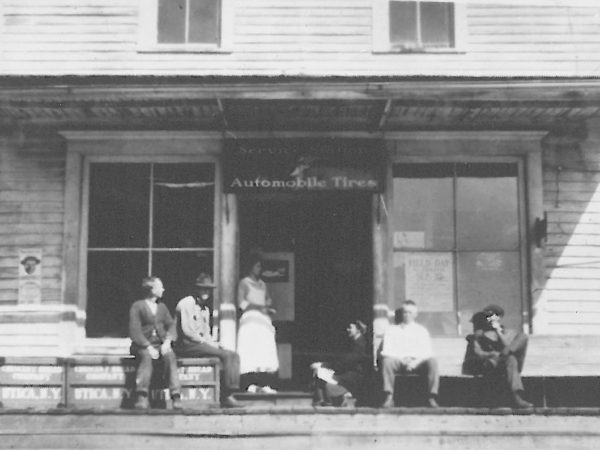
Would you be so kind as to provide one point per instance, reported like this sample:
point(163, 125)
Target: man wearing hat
point(494, 351)
point(194, 339)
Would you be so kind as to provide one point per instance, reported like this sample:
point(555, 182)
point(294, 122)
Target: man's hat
point(31, 258)
point(494, 309)
point(204, 280)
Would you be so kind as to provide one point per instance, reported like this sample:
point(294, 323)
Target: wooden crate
point(32, 382)
point(109, 382)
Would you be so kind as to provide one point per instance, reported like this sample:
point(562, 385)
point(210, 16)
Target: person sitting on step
point(336, 383)
point(497, 353)
point(406, 349)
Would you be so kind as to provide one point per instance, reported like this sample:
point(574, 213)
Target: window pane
point(171, 21)
point(487, 207)
point(178, 271)
point(119, 205)
point(437, 28)
point(427, 278)
point(489, 277)
point(204, 21)
point(113, 284)
point(403, 23)
point(423, 215)
point(183, 205)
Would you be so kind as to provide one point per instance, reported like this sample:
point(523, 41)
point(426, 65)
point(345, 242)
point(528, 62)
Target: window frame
point(457, 146)
point(86, 148)
point(148, 32)
point(381, 29)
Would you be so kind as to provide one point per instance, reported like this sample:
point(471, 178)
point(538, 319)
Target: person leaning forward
point(406, 349)
point(497, 353)
point(194, 338)
point(152, 330)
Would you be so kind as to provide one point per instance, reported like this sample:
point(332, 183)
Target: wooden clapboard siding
point(31, 213)
point(570, 302)
point(290, 37)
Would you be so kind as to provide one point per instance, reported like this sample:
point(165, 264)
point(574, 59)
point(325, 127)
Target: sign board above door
point(303, 165)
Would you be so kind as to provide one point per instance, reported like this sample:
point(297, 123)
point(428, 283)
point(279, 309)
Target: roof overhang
point(283, 104)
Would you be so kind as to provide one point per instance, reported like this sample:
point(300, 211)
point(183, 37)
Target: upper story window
point(185, 25)
point(418, 26)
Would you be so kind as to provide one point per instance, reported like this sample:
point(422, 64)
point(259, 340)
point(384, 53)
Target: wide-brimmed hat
point(33, 259)
point(204, 280)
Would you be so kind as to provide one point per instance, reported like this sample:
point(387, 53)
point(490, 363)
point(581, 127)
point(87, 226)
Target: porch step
point(282, 398)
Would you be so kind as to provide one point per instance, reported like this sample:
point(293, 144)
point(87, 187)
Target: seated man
point(406, 348)
point(152, 329)
point(493, 351)
point(195, 340)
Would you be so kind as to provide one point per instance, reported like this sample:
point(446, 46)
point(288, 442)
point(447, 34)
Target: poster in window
point(30, 276)
point(430, 281)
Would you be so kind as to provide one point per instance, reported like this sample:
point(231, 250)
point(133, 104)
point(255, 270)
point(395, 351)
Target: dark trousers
point(230, 361)
point(390, 367)
point(327, 393)
point(145, 369)
point(510, 363)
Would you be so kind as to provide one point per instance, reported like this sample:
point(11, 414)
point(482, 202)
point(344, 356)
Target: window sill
point(182, 48)
point(421, 51)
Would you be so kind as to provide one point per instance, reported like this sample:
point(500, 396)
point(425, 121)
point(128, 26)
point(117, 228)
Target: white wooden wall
point(31, 213)
point(300, 37)
point(570, 303)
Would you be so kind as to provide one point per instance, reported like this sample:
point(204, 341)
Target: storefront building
point(453, 189)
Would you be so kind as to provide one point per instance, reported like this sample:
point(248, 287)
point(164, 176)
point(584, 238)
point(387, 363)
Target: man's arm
point(482, 354)
point(135, 326)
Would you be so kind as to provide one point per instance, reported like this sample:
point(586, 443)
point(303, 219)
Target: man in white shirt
point(194, 338)
point(406, 348)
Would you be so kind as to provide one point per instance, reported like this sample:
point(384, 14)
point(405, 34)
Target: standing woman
point(256, 336)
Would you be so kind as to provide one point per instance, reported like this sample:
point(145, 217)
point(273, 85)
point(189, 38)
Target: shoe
point(142, 402)
point(176, 402)
point(268, 390)
point(389, 402)
point(519, 403)
point(230, 402)
point(347, 401)
point(432, 403)
point(252, 389)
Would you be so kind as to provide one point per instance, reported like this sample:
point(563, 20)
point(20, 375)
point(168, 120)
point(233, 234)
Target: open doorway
point(330, 238)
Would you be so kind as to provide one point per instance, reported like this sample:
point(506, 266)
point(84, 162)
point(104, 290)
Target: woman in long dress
point(256, 336)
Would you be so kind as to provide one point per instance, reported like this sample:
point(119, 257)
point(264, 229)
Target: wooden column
point(229, 271)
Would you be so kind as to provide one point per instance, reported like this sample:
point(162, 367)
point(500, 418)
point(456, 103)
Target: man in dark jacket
point(152, 330)
point(497, 353)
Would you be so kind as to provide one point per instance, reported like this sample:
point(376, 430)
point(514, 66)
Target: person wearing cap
point(194, 338)
point(152, 331)
point(338, 382)
point(30, 264)
point(496, 352)
point(406, 348)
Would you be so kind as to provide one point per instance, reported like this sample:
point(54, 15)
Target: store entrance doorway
point(328, 237)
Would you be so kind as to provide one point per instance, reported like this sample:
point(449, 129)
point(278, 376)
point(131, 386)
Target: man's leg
point(389, 368)
point(429, 370)
point(518, 348)
point(142, 377)
point(230, 362)
point(510, 365)
point(170, 373)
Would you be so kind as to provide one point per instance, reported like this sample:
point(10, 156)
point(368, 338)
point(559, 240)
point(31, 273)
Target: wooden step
point(281, 398)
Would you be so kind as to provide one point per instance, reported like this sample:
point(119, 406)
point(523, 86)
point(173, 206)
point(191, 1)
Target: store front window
point(458, 241)
point(145, 219)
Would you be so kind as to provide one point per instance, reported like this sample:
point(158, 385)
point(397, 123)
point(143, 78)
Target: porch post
point(229, 257)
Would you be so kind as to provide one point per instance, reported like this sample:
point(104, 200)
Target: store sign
point(300, 165)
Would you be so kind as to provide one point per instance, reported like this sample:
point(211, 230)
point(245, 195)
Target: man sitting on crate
point(194, 338)
point(152, 330)
point(406, 349)
point(497, 353)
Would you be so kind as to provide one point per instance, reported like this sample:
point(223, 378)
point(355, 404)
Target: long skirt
point(256, 343)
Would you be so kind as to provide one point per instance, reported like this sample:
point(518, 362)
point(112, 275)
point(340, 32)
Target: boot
point(389, 401)
point(519, 403)
point(142, 402)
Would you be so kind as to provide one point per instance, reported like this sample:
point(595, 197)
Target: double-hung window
point(185, 25)
point(418, 26)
